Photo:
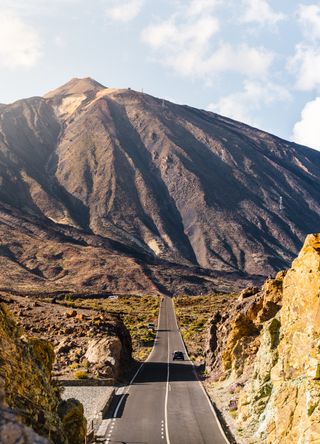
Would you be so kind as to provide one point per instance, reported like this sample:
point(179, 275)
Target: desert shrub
point(81, 374)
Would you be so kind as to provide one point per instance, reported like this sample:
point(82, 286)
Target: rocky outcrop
point(105, 354)
point(234, 335)
point(265, 358)
point(87, 343)
point(12, 430)
point(27, 395)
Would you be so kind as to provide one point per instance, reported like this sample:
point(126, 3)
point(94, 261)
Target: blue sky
point(257, 61)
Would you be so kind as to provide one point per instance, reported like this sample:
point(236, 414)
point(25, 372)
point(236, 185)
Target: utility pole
point(281, 207)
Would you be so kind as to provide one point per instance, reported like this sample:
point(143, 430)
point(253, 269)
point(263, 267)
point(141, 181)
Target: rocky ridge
point(264, 356)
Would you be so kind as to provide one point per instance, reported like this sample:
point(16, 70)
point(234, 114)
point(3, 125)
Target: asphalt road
point(164, 403)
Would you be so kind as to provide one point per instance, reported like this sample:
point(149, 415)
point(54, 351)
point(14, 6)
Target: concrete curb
point(84, 382)
point(96, 422)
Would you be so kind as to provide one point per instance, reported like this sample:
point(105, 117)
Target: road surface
point(164, 403)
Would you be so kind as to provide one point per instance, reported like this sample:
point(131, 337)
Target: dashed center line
point(162, 429)
point(124, 390)
point(167, 391)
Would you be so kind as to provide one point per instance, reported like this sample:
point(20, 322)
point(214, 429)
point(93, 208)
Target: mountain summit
point(126, 192)
point(76, 86)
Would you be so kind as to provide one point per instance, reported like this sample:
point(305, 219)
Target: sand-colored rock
point(105, 355)
point(234, 336)
point(273, 354)
point(293, 412)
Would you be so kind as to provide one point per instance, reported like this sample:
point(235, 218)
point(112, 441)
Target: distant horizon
point(254, 61)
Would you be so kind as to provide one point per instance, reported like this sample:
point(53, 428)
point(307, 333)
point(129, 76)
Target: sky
point(256, 61)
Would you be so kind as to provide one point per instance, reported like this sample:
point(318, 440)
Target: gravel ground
point(92, 398)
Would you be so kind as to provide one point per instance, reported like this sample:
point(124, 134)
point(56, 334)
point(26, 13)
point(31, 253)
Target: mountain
point(115, 190)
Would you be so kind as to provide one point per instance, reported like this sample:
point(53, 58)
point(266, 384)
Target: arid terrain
point(92, 338)
point(111, 190)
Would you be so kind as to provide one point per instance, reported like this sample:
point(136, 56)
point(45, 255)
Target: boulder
point(105, 352)
point(12, 431)
point(248, 292)
point(71, 313)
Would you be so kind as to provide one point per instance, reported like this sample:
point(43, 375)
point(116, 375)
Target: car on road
point(177, 356)
point(113, 296)
point(151, 326)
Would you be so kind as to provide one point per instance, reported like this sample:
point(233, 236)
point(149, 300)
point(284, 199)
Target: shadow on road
point(157, 372)
point(115, 401)
point(153, 372)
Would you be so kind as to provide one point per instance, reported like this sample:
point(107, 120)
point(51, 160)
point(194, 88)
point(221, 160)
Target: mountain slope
point(168, 182)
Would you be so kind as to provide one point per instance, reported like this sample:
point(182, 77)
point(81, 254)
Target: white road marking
point(167, 389)
point(201, 385)
point(102, 431)
point(123, 391)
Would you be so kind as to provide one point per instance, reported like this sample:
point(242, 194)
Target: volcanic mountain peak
point(68, 98)
point(76, 86)
point(151, 181)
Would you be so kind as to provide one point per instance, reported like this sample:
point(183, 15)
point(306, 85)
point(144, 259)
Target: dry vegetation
point(135, 311)
point(194, 314)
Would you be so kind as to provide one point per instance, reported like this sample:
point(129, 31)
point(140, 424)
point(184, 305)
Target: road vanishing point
point(164, 403)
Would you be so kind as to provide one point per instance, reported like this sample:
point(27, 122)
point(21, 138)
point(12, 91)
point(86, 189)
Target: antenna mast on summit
point(281, 207)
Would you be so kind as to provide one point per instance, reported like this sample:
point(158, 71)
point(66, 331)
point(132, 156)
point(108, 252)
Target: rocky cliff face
point(265, 357)
point(115, 190)
point(27, 395)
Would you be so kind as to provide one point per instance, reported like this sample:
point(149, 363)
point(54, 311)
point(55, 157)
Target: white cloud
point(20, 44)
point(173, 36)
point(243, 105)
point(306, 64)
point(198, 7)
point(307, 130)
point(184, 43)
point(35, 7)
point(309, 18)
point(259, 11)
point(244, 59)
point(124, 10)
